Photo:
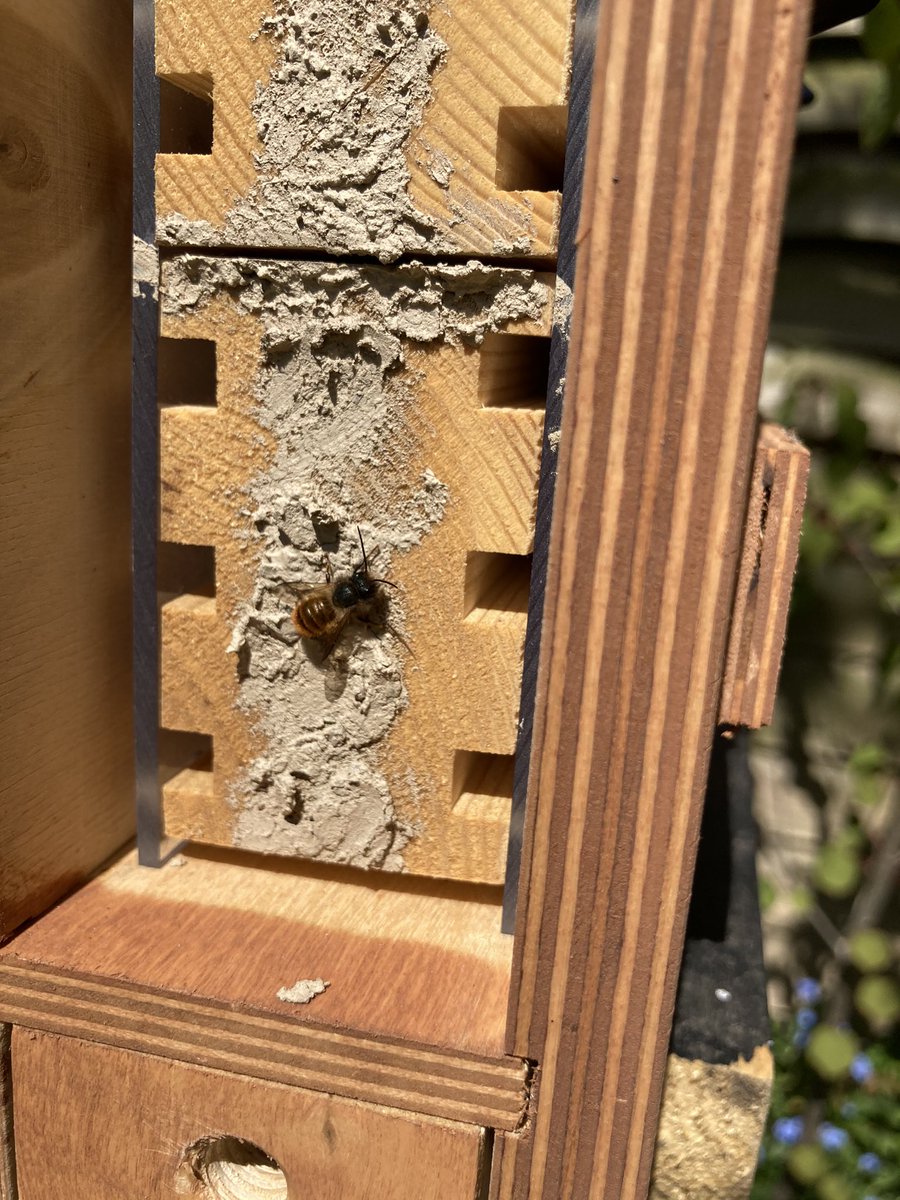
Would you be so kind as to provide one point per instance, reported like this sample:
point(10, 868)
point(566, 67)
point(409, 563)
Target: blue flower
point(868, 1163)
point(800, 1038)
point(831, 1137)
point(807, 991)
point(861, 1068)
point(788, 1130)
point(807, 1018)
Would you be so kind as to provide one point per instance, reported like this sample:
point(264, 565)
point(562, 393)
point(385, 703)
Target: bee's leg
point(399, 636)
point(329, 574)
point(386, 626)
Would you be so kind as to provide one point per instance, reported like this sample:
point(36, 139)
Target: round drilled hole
point(230, 1168)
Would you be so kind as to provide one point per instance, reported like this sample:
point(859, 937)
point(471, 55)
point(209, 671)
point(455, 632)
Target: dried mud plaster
point(303, 991)
point(348, 90)
point(144, 266)
point(337, 395)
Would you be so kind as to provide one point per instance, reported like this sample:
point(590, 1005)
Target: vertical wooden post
point(689, 141)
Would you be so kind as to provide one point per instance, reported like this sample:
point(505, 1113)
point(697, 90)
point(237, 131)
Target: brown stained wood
point(711, 1124)
point(66, 798)
point(690, 135)
point(191, 958)
point(768, 560)
point(101, 1123)
point(474, 427)
point(484, 163)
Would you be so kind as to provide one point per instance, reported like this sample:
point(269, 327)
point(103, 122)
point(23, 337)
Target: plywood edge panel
point(8, 1188)
point(768, 561)
point(402, 1077)
point(686, 164)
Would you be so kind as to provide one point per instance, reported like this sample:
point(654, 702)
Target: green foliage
point(836, 871)
point(823, 1126)
point(831, 1051)
point(867, 765)
point(834, 1127)
point(881, 42)
point(834, 1187)
point(807, 1163)
point(834, 1130)
point(877, 997)
point(870, 950)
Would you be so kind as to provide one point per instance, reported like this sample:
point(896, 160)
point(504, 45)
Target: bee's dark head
point(362, 585)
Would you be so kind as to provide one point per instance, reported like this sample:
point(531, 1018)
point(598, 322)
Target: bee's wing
point(300, 590)
point(329, 641)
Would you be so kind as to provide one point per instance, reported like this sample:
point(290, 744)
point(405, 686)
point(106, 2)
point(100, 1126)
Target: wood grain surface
point(711, 1122)
point(188, 961)
point(66, 800)
point(102, 1123)
point(688, 146)
point(475, 425)
point(768, 560)
point(496, 109)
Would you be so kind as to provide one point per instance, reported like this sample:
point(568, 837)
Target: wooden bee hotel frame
point(291, 1020)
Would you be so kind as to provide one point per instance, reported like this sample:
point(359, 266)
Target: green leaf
point(890, 595)
point(818, 543)
point(877, 997)
point(851, 837)
point(886, 541)
point(807, 1163)
point(836, 870)
point(834, 1187)
point(881, 32)
point(880, 108)
point(867, 758)
point(802, 899)
point(851, 432)
point(766, 893)
point(862, 495)
point(830, 1051)
point(869, 790)
point(870, 950)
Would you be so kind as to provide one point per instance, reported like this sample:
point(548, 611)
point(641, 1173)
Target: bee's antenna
point(362, 547)
point(386, 582)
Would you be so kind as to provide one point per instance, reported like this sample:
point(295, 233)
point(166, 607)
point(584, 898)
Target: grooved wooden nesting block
point(405, 402)
point(358, 127)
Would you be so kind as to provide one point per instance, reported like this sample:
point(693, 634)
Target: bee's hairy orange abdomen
point(314, 614)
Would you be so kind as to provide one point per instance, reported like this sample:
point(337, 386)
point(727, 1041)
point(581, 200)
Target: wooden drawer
point(99, 1123)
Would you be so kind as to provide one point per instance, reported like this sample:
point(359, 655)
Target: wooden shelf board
point(187, 961)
